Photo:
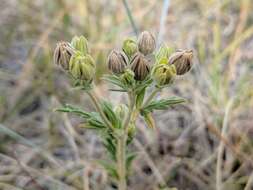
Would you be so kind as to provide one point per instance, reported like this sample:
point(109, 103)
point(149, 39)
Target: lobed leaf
point(93, 119)
point(110, 168)
point(161, 104)
point(110, 114)
point(115, 80)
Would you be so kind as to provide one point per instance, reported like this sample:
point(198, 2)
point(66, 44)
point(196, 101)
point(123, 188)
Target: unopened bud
point(117, 61)
point(128, 77)
point(164, 52)
point(131, 130)
point(140, 67)
point(149, 120)
point(163, 74)
point(80, 44)
point(146, 43)
point(130, 47)
point(182, 59)
point(121, 110)
point(82, 67)
point(62, 54)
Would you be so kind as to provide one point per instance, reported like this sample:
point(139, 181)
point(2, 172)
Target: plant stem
point(131, 97)
point(151, 96)
point(121, 145)
point(222, 145)
point(95, 101)
point(121, 162)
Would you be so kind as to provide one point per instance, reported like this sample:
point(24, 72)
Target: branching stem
point(121, 146)
point(151, 96)
point(95, 101)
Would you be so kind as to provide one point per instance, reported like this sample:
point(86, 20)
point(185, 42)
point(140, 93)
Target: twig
point(150, 162)
point(166, 5)
point(33, 180)
point(222, 146)
point(249, 183)
point(130, 16)
point(86, 179)
point(95, 101)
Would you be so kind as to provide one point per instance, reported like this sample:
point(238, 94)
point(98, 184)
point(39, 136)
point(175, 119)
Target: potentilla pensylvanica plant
point(136, 69)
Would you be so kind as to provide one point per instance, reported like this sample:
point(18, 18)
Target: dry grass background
point(203, 145)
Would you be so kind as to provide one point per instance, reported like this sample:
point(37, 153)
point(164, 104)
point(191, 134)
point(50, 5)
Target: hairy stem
point(131, 97)
point(121, 146)
point(151, 96)
point(121, 162)
point(95, 101)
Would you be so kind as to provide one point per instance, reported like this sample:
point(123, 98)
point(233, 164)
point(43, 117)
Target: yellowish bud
point(130, 47)
point(80, 44)
point(163, 74)
point(128, 77)
point(82, 67)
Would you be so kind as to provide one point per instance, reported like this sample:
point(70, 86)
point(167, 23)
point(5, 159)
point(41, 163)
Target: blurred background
point(205, 144)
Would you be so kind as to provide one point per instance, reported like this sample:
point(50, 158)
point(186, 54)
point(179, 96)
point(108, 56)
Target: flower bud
point(182, 59)
point(149, 120)
point(82, 67)
point(164, 52)
point(121, 110)
point(140, 67)
point(128, 77)
point(131, 130)
point(146, 43)
point(62, 54)
point(130, 47)
point(80, 44)
point(163, 74)
point(117, 61)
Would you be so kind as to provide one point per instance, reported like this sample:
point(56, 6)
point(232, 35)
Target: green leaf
point(93, 119)
point(161, 104)
point(140, 97)
point(117, 90)
point(129, 160)
point(149, 120)
point(71, 109)
point(110, 168)
point(110, 114)
point(115, 80)
point(142, 84)
point(110, 146)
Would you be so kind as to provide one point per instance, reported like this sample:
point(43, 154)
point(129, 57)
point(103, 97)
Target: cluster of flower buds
point(137, 54)
point(74, 58)
point(168, 65)
point(133, 63)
